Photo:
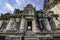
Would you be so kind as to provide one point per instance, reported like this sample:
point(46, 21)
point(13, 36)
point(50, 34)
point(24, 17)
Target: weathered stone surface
point(29, 24)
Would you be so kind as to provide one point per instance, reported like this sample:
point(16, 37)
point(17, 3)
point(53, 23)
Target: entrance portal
point(29, 25)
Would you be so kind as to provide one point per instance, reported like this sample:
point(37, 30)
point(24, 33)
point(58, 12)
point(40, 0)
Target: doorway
point(29, 25)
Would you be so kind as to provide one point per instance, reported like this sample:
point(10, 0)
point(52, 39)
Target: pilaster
point(22, 25)
point(10, 24)
point(34, 26)
point(48, 27)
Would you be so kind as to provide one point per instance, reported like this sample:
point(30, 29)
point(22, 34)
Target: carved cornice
point(49, 4)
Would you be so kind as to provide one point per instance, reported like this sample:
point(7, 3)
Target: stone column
point(34, 26)
point(14, 26)
point(40, 24)
point(47, 24)
point(25, 25)
point(1, 22)
point(10, 24)
point(22, 24)
point(56, 23)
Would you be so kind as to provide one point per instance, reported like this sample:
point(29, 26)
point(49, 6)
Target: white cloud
point(8, 6)
point(17, 1)
point(20, 2)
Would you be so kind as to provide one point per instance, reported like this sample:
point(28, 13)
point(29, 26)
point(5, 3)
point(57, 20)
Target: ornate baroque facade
point(53, 5)
point(29, 24)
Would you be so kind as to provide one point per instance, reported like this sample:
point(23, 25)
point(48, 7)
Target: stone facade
point(29, 24)
point(53, 5)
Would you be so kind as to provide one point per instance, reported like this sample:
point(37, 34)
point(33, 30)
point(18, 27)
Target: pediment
point(29, 7)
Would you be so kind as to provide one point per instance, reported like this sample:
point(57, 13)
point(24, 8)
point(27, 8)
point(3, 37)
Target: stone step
point(29, 33)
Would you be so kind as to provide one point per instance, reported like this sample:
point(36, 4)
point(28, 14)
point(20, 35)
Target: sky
point(8, 6)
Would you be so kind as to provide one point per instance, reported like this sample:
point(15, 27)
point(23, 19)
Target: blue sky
point(10, 5)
